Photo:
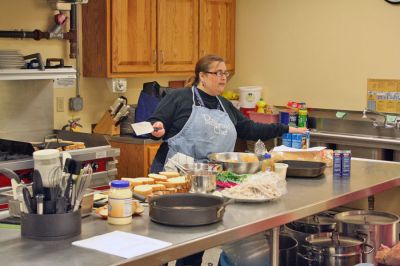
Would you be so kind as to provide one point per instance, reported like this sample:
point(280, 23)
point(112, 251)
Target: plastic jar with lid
point(119, 203)
point(47, 163)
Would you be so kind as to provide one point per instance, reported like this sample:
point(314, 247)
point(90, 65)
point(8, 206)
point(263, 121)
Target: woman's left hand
point(299, 130)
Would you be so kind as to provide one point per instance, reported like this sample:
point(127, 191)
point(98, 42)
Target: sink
point(347, 132)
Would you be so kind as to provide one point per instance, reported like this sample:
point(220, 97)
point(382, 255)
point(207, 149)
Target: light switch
point(60, 104)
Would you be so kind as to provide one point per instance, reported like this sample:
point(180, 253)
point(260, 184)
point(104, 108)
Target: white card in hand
point(142, 128)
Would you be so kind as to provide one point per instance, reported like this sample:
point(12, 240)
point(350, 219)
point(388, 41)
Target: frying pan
point(188, 209)
point(304, 168)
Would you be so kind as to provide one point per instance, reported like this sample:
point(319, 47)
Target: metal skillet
point(189, 209)
point(307, 169)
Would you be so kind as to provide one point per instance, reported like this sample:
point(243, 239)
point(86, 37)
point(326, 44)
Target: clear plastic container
point(119, 203)
point(48, 163)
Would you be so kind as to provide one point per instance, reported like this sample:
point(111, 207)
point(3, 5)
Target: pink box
point(264, 118)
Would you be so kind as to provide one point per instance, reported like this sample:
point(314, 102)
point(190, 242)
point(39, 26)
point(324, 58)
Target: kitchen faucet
point(374, 122)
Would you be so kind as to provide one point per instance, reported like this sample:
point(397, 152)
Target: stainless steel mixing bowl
point(232, 161)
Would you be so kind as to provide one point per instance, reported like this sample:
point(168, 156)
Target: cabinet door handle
point(154, 56)
point(162, 56)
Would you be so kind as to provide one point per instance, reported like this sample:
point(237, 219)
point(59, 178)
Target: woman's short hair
point(203, 65)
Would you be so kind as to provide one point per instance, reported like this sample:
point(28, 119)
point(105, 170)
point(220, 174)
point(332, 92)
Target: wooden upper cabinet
point(217, 29)
point(133, 36)
point(128, 38)
point(177, 35)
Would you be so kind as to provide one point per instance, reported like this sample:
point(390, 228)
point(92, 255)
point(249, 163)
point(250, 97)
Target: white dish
point(226, 194)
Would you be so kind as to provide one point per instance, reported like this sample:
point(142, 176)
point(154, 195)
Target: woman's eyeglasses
point(219, 74)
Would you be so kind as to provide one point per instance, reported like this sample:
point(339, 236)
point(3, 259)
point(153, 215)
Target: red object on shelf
point(246, 111)
point(264, 118)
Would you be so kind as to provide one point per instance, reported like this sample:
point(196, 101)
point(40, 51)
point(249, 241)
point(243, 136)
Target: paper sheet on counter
point(284, 148)
point(122, 244)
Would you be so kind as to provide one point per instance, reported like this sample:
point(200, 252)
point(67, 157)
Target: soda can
point(346, 163)
point(293, 116)
point(297, 141)
point(287, 139)
point(284, 117)
point(337, 163)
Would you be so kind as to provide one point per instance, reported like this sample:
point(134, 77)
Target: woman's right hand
point(159, 129)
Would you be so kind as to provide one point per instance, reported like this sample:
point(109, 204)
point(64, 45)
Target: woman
point(197, 121)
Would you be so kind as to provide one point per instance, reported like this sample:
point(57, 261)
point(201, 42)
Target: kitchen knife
point(142, 128)
point(117, 105)
point(124, 111)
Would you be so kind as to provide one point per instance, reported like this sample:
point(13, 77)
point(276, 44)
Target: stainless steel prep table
point(304, 197)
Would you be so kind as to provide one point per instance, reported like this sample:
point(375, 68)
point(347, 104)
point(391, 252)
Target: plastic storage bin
point(249, 96)
point(264, 118)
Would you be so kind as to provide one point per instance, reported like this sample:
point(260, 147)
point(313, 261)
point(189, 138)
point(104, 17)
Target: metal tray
point(304, 168)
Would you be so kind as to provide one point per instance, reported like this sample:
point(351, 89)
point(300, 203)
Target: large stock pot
point(374, 227)
point(327, 249)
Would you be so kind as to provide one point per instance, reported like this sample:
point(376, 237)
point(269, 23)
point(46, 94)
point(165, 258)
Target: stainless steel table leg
point(275, 246)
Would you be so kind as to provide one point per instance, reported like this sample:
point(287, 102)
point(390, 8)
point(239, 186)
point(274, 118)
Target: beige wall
point(318, 51)
point(37, 14)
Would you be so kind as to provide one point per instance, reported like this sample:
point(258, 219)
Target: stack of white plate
point(11, 59)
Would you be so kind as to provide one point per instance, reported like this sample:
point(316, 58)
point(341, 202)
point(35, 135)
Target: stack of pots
point(374, 227)
point(335, 249)
point(360, 234)
point(303, 228)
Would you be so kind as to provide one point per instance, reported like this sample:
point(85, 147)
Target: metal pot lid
point(367, 217)
point(334, 243)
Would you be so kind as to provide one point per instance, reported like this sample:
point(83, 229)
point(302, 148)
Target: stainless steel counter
point(305, 197)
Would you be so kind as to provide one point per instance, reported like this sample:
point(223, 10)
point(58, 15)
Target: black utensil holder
point(51, 226)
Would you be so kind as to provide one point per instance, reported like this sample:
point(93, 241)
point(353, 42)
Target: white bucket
point(249, 96)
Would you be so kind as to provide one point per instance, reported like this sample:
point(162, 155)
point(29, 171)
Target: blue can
point(346, 163)
point(287, 139)
point(284, 117)
point(337, 163)
point(297, 141)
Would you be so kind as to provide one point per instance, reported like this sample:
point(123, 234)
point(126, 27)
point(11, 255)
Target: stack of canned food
point(298, 141)
point(341, 163)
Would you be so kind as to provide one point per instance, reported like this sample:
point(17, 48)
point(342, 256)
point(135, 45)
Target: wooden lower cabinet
point(135, 159)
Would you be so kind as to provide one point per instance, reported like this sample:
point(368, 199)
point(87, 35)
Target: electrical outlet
point(60, 104)
point(118, 85)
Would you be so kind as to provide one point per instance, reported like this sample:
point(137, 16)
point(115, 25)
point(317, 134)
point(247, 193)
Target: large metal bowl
point(238, 166)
